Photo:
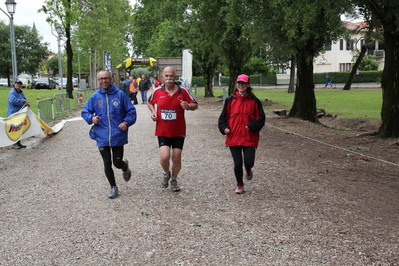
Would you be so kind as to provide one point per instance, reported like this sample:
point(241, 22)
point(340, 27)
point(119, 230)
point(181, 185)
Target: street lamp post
point(58, 28)
point(90, 81)
point(11, 7)
point(78, 43)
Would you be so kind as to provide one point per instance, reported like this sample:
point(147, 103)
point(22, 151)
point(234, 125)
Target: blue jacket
point(113, 107)
point(125, 87)
point(15, 101)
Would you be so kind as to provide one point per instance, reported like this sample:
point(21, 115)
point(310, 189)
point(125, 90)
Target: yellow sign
point(16, 125)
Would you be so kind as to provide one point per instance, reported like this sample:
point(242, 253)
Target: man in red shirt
point(171, 103)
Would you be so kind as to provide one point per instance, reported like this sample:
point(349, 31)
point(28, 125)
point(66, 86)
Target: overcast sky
point(26, 14)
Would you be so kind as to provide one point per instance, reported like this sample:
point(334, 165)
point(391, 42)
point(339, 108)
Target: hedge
point(319, 78)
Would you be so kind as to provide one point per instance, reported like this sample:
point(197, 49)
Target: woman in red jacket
point(241, 120)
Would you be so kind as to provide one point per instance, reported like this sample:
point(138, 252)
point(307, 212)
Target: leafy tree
point(103, 26)
point(156, 20)
point(368, 40)
point(202, 31)
point(255, 66)
point(385, 14)
point(5, 51)
point(160, 43)
point(98, 25)
point(303, 28)
point(30, 51)
point(368, 63)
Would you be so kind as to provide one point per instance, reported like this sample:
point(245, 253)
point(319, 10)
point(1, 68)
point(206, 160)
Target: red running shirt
point(171, 121)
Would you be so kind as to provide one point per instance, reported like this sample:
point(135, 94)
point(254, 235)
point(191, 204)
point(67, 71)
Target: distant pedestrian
point(134, 89)
point(16, 100)
point(111, 112)
point(241, 120)
point(144, 86)
point(328, 81)
point(125, 86)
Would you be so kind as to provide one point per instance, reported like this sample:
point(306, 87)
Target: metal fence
point(51, 108)
point(46, 111)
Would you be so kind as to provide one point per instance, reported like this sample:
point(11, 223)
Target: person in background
point(241, 120)
point(134, 89)
point(16, 100)
point(168, 104)
point(158, 82)
point(125, 86)
point(144, 86)
point(328, 81)
point(112, 113)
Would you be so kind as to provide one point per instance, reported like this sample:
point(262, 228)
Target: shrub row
point(336, 77)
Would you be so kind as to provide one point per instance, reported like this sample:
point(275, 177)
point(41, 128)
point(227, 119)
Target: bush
point(342, 77)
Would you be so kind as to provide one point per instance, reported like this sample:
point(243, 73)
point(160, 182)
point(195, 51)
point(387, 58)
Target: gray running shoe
point(165, 180)
point(249, 177)
point(173, 184)
point(113, 193)
point(127, 173)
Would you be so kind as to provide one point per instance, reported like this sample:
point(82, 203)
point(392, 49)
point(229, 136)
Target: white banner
point(187, 68)
point(24, 124)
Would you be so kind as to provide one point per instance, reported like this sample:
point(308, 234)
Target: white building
point(338, 56)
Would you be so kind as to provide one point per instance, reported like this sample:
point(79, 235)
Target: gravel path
point(308, 204)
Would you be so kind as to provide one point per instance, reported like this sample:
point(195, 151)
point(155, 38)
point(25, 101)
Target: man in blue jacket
point(16, 100)
point(112, 113)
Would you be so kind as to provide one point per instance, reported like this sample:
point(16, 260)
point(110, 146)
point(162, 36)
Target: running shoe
point(239, 189)
point(16, 146)
point(173, 184)
point(250, 175)
point(165, 180)
point(127, 173)
point(113, 193)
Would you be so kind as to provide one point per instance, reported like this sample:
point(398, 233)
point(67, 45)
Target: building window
point(381, 46)
point(348, 67)
point(349, 45)
point(341, 67)
point(341, 44)
point(328, 47)
point(281, 69)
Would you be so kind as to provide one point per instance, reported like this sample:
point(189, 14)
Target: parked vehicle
point(3, 82)
point(44, 83)
point(25, 83)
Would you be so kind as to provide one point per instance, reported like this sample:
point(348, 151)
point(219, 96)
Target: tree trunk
point(291, 87)
point(304, 106)
point(208, 78)
point(390, 87)
point(234, 72)
point(69, 87)
point(348, 83)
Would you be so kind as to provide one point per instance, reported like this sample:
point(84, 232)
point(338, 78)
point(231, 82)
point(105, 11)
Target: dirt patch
point(320, 196)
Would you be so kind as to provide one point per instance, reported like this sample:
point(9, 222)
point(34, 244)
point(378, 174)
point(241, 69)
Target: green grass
point(355, 103)
point(32, 95)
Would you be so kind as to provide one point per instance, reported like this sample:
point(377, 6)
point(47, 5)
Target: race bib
point(168, 115)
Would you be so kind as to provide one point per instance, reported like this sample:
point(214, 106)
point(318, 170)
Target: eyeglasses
point(104, 78)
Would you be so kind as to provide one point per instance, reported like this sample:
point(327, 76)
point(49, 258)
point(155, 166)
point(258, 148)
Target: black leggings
point(249, 160)
point(117, 156)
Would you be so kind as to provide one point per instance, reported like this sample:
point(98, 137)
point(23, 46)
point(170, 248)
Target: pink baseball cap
point(243, 78)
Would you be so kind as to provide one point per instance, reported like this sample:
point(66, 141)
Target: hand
point(26, 103)
point(185, 105)
point(123, 125)
point(154, 116)
point(227, 131)
point(95, 119)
